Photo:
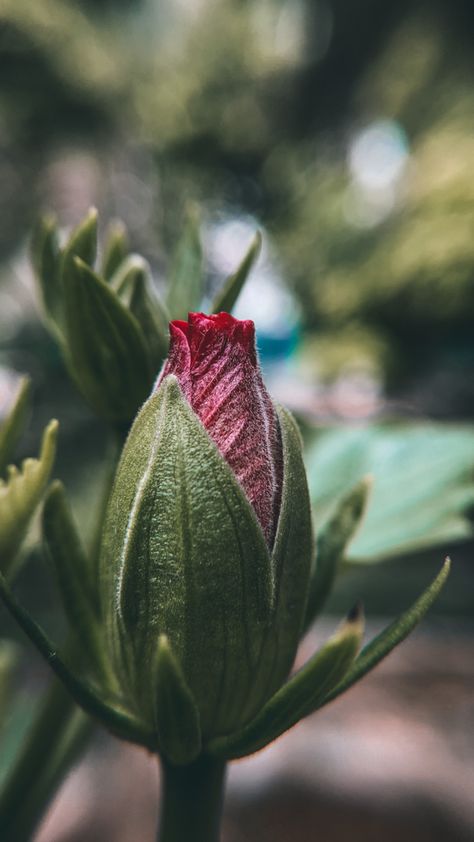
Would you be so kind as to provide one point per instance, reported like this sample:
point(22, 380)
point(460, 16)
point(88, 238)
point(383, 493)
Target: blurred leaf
point(423, 489)
point(232, 287)
point(82, 243)
point(331, 544)
point(115, 250)
point(186, 281)
point(46, 255)
point(13, 425)
point(106, 349)
point(20, 495)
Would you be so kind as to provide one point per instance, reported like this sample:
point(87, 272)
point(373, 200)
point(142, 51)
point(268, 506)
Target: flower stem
point(191, 800)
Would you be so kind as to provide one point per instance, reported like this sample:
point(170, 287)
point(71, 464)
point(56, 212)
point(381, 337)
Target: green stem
point(56, 739)
point(191, 800)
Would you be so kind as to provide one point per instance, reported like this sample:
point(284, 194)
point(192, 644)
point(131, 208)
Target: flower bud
point(208, 537)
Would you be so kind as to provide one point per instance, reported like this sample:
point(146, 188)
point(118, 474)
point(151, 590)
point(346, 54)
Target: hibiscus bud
point(207, 541)
point(215, 362)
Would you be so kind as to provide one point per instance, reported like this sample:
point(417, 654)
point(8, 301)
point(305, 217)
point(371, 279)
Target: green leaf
point(120, 721)
point(134, 286)
point(331, 545)
point(186, 280)
point(423, 488)
point(183, 554)
point(232, 287)
point(20, 494)
point(82, 243)
point(177, 718)
point(72, 568)
point(14, 423)
point(46, 258)
point(115, 250)
point(300, 696)
point(107, 354)
point(397, 631)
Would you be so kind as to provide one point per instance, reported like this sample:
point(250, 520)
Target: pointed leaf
point(186, 283)
point(153, 318)
point(115, 251)
point(232, 287)
point(72, 569)
point(397, 631)
point(300, 696)
point(12, 426)
point(177, 718)
point(20, 494)
point(120, 721)
point(82, 243)
point(331, 544)
point(133, 285)
point(107, 353)
point(46, 259)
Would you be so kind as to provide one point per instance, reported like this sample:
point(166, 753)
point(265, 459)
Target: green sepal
point(134, 287)
point(13, 425)
point(82, 243)
point(186, 278)
point(300, 696)
point(382, 644)
point(292, 552)
point(115, 249)
point(46, 259)
point(225, 299)
point(106, 349)
point(183, 554)
point(74, 575)
point(20, 495)
point(176, 715)
point(100, 705)
point(331, 545)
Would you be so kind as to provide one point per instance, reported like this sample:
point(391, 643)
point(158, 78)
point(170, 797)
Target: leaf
point(72, 568)
point(115, 250)
point(14, 423)
point(186, 281)
point(118, 720)
point(107, 354)
point(46, 257)
point(184, 555)
point(177, 718)
point(82, 243)
point(20, 494)
point(227, 296)
point(134, 286)
point(423, 488)
point(397, 631)
point(331, 545)
point(300, 696)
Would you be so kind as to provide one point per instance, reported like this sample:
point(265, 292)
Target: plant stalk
point(191, 800)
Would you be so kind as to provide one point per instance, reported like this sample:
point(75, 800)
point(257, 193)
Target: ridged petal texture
point(215, 362)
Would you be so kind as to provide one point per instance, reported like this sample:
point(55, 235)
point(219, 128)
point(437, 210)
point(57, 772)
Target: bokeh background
point(344, 131)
